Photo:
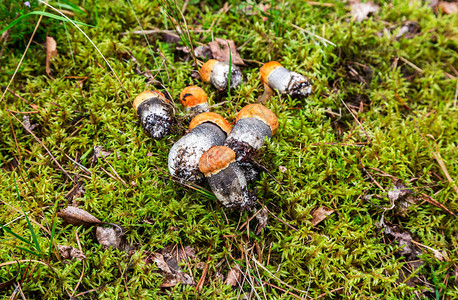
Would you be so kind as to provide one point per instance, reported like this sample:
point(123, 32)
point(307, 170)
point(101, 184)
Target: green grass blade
point(25, 249)
point(68, 5)
point(15, 234)
point(230, 73)
point(43, 13)
point(34, 236)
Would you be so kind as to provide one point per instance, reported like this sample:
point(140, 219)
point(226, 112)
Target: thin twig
point(112, 70)
point(315, 35)
point(41, 143)
point(356, 119)
point(273, 275)
point(23, 56)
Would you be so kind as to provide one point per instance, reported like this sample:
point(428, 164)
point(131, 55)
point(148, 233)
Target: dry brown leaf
point(234, 276)
point(403, 238)
point(320, 214)
point(111, 237)
point(100, 152)
point(27, 124)
point(51, 52)
point(168, 262)
point(262, 217)
point(448, 7)
point(77, 216)
point(220, 51)
point(71, 253)
point(360, 11)
point(203, 52)
point(401, 197)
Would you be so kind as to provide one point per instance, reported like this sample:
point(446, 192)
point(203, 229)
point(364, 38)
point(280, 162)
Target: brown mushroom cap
point(259, 112)
point(206, 70)
point(211, 117)
point(267, 68)
point(216, 159)
point(145, 95)
point(192, 95)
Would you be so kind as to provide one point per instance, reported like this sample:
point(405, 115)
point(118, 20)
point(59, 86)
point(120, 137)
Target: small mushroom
point(217, 73)
point(275, 76)
point(254, 124)
point(154, 112)
point(206, 130)
point(194, 99)
point(225, 178)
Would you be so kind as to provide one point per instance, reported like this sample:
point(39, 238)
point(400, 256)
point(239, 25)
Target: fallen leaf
point(282, 169)
point(448, 7)
point(401, 197)
point(27, 124)
point(234, 276)
point(262, 217)
point(220, 51)
point(203, 52)
point(168, 262)
point(100, 152)
point(320, 214)
point(360, 11)
point(404, 239)
point(408, 30)
point(51, 52)
point(77, 216)
point(111, 237)
point(71, 253)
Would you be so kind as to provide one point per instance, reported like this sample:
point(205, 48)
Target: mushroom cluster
point(213, 149)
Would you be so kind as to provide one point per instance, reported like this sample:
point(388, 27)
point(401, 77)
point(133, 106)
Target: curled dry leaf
point(320, 214)
point(401, 197)
point(100, 152)
point(168, 262)
point(404, 239)
point(234, 276)
point(449, 7)
point(71, 253)
point(77, 216)
point(360, 11)
point(220, 51)
point(262, 217)
point(51, 52)
point(111, 237)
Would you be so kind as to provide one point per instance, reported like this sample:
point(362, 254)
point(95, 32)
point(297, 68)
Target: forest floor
point(360, 192)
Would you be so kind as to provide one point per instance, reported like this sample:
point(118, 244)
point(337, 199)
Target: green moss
point(408, 115)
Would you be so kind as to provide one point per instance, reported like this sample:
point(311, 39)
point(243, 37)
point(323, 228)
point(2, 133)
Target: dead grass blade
point(87, 37)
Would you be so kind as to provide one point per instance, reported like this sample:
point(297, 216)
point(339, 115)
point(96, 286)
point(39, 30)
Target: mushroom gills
point(155, 117)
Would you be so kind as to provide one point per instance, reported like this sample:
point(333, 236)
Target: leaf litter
point(168, 262)
point(71, 253)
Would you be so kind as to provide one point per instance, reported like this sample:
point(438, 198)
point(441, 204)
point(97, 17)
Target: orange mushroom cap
point(211, 117)
point(267, 68)
point(206, 70)
point(145, 95)
point(192, 95)
point(216, 159)
point(259, 112)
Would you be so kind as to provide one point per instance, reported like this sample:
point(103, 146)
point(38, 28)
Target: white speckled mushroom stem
point(285, 81)
point(184, 156)
point(220, 75)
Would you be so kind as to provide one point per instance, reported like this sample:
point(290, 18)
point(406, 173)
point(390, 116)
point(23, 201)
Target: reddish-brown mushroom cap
point(206, 70)
point(259, 112)
point(216, 159)
point(145, 95)
point(211, 117)
point(192, 95)
point(267, 68)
